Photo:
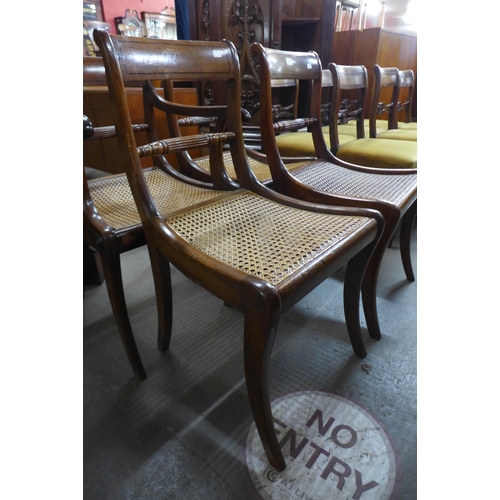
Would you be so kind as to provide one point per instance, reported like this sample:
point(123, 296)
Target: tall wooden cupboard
point(376, 46)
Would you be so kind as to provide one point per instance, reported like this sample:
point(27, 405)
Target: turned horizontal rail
point(183, 143)
point(195, 120)
point(107, 132)
point(296, 124)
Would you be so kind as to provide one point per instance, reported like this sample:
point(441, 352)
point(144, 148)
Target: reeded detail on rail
point(182, 143)
point(296, 124)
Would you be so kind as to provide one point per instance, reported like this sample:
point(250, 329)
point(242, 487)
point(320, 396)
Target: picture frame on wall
point(159, 25)
point(90, 48)
point(92, 10)
point(130, 24)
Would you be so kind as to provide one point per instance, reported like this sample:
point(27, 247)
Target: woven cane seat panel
point(114, 201)
point(260, 237)
point(391, 188)
point(261, 170)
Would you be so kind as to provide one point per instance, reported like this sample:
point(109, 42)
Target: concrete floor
point(181, 434)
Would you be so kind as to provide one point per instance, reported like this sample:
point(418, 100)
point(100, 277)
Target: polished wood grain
point(236, 244)
point(376, 46)
point(111, 223)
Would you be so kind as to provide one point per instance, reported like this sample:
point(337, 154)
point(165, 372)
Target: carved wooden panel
point(281, 24)
point(243, 22)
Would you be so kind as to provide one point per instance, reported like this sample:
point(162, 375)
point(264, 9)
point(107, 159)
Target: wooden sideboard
point(377, 46)
point(103, 154)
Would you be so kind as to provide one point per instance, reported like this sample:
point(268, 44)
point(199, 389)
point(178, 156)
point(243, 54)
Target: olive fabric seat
point(301, 144)
point(379, 153)
point(346, 141)
point(370, 152)
point(385, 80)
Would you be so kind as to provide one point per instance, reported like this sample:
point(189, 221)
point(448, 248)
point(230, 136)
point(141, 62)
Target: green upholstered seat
point(383, 125)
point(399, 134)
point(407, 126)
point(370, 152)
point(382, 153)
point(301, 143)
point(348, 129)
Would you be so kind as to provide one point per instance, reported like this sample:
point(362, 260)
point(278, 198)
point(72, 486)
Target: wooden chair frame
point(193, 166)
point(406, 80)
point(99, 235)
point(398, 206)
point(384, 78)
point(109, 240)
point(132, 61)
point(357, 81)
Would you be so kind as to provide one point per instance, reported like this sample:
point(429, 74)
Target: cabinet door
point(408, 60)
point(242, 22)
point(309, 25)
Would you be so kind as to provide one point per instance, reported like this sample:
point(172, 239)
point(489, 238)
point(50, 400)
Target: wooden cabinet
point(308, 25)
point(243, 22)
point(376, 46)
point(281, 24)
point(103, 154)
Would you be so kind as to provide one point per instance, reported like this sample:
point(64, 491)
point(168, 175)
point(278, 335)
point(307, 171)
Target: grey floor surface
point(181, 433)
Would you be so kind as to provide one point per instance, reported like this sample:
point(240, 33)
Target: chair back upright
point(326, 95)
point(111, 224)
point(385, 78)
point(406, 81)
point(351, 81)
point(282, 65)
